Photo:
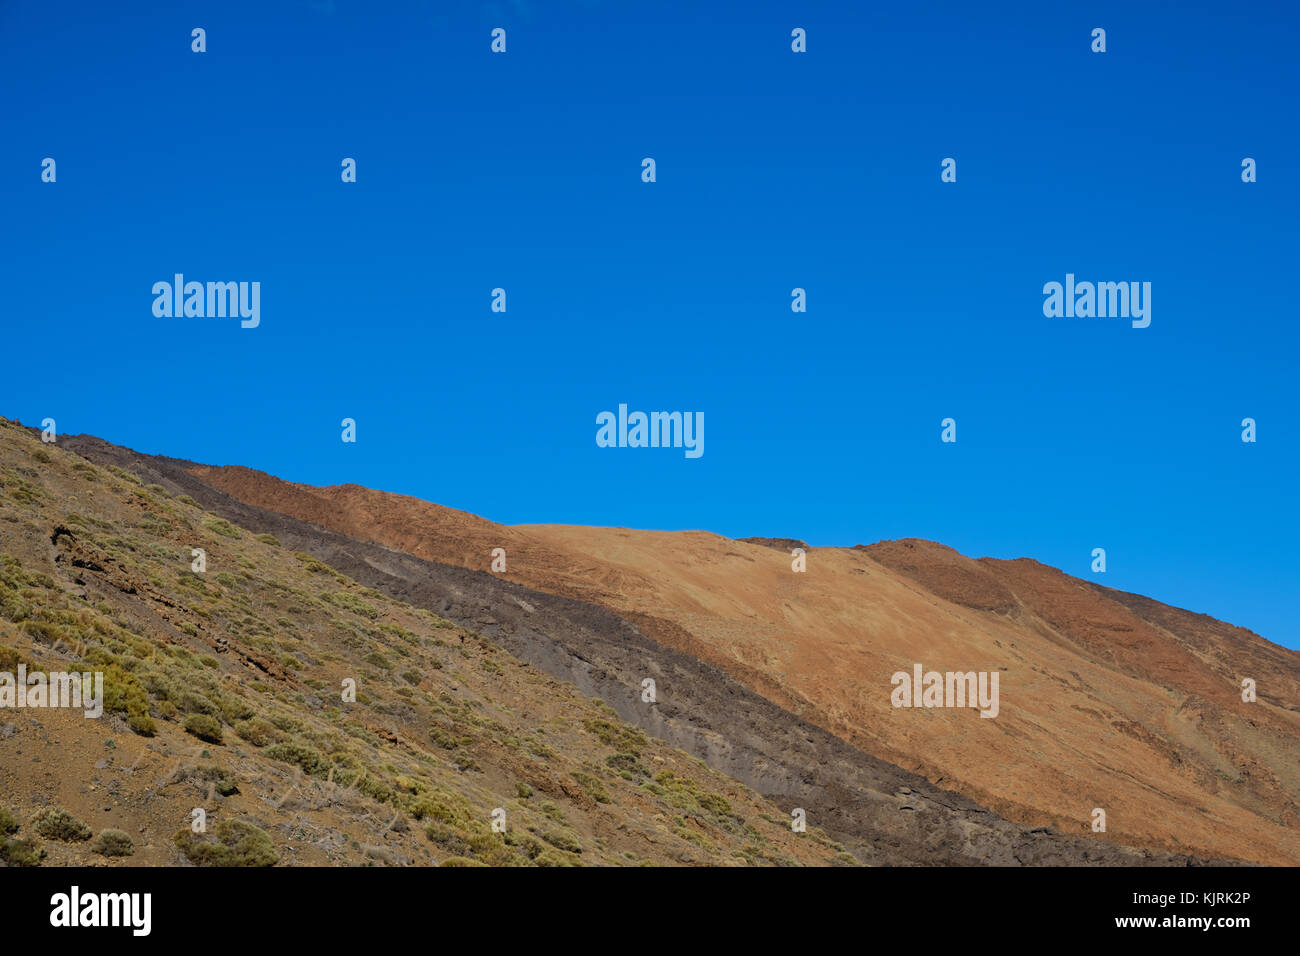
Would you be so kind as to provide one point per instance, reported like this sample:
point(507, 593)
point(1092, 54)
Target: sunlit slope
point(1107, 700)
point(225, 694)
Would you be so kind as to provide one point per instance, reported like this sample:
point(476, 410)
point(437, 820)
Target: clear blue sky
point(775, 170)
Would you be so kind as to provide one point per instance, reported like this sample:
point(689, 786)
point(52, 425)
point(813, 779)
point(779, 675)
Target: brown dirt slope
point(224, 694)
point(1109, 700)
point(883, 814)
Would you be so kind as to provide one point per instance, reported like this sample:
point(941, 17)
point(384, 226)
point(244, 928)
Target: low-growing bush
point(311, 762)
point(142, 724)
point(237, 843)
point(257, 731)
point(20, 853)
point(203, 727)
point(113, 843)
point(56, 824)
point(591, 786)
point(219, 777)
point(351, 602)
point(561, 840)
point(222, 527)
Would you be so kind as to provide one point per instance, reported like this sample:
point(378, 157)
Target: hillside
point(223, 692)
point(1110, 700)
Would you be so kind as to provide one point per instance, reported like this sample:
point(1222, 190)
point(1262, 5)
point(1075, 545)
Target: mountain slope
point(224, 693)
point(881, 813)
point(1110, 701)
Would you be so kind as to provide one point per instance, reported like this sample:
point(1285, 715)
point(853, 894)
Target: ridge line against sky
point(775, 171)
point(677, 530)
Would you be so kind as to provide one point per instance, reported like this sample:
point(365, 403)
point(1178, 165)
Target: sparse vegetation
point(222, 527)
point(257, 731)
point(56, 824)
point(309, 760)
point(237, 843)
point(350, 602)
point(113, 843)
point(592, 786)
point(20, 852)
point(561, 840)
point(250, 655)
point(203, 727)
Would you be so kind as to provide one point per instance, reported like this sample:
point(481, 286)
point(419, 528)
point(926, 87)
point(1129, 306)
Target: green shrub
point(445, 739)
point(20, 853)
point(142, 724)
point(234, 707)
point(269, 539)
point(257, 731)
point(593, 787)
point(714, 803)
point(561, 840)
point(622, 738)
point(238, 843)
point(446, 839)
point(222, 527)
point(203, 727)
point(311, 762)
point(221, 781)
point(439, 811)
point(351, 602)
point(626, 765)
point(113, 843)
point(539, 749)
point(123, 692)
point(13, 607)
point(55, 824)
point(8, 824)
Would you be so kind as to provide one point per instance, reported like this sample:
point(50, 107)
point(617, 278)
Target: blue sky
point(775, 170)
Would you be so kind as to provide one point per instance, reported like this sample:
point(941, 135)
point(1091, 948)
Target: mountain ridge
point(1182, 677)
point(672, 596)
